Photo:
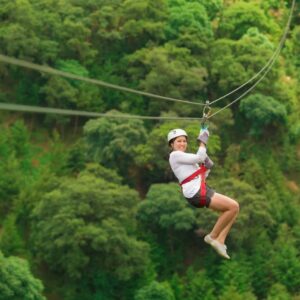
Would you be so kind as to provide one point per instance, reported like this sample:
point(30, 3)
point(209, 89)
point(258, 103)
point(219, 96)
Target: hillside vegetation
point(89, 208)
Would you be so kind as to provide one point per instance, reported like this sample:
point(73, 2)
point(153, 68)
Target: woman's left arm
point(202, 152)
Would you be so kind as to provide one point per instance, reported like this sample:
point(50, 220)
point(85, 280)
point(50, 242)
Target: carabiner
point(205, 114)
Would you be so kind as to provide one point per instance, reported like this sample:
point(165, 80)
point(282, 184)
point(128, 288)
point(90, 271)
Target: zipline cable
point(263, 76)
point(242, 95)
point(266, 71)
point(49, 70)
point(70, 112)
point(272, 58)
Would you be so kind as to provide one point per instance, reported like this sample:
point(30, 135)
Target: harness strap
point(203, 189)
point(201, 171)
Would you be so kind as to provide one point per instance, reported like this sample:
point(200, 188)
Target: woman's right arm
point(190, 158)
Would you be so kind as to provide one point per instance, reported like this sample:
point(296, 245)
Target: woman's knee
point(235, 207)
point(223, 203)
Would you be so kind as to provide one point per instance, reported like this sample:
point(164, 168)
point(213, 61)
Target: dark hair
point(171, 141)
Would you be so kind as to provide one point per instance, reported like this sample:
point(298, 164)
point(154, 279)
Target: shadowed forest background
point(89, 208)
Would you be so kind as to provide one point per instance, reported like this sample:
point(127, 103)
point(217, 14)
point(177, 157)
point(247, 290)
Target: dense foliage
point(89, 209)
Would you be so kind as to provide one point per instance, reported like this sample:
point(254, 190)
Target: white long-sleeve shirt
point(185, 164)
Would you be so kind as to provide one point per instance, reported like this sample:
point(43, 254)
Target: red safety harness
point(201, 171)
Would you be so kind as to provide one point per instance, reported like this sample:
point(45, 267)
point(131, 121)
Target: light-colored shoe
point(220, 248)
point(208, 239)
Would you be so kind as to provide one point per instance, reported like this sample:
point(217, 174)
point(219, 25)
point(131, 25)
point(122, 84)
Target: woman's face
point(179, 144)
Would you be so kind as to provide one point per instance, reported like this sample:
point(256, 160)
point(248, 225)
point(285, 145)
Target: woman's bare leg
point(222, 236)
point(229, 209)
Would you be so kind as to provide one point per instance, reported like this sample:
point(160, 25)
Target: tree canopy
point(16, 280)
point(90, 208)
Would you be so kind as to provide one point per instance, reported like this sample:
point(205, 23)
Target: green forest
point(89, 207)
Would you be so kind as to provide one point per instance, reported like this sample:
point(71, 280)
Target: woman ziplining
point(184, 165)
point(191, 171)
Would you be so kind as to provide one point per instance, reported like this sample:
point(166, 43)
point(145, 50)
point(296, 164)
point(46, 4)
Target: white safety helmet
point(176, 133)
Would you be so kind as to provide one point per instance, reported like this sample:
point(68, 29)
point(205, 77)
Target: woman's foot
point(220, 248)
point(208, 239)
